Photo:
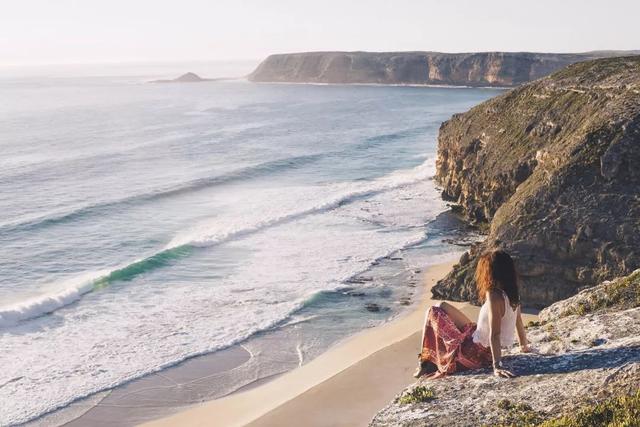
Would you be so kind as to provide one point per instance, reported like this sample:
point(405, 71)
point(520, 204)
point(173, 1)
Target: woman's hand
point(499, 372)
point(525, 348)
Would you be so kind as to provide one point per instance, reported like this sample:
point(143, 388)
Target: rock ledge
point(579, 360)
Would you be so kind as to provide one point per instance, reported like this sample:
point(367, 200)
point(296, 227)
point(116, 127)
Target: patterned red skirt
point(450, 348)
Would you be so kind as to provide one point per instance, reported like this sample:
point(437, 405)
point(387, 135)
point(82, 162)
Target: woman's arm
point(522, 334)
point(496, 311)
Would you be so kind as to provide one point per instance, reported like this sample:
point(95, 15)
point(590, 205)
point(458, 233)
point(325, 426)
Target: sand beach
point(345, 386)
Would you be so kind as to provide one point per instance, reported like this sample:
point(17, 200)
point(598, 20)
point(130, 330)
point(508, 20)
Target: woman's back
point(482, 335)
point(451, 341)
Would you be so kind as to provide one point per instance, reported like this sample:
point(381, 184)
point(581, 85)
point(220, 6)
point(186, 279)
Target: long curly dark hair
point(496, 270)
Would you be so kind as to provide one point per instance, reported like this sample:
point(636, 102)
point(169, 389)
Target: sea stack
point(189, 78)
point(185, 78)
point(550, 171)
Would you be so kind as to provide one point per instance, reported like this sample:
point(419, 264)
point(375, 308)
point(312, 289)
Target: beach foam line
point(248, 172)
point(291, 316)
point(239, 409)
point(71, 291)
point(205, 236)
point(285, 319)
point(182, 246)
point(244, 173)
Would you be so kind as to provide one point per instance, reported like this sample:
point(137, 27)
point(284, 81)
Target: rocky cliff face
point(584, 366)
point(552, 171)
point(460, 69)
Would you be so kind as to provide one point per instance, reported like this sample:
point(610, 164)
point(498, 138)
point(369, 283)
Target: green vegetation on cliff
point(418, 394)
point(617, 411)
point(551, 168)
point(620, 294)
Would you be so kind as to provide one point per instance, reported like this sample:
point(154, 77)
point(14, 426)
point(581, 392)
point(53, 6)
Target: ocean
point(143, 224)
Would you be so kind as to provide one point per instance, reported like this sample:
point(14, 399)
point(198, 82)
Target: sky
point(36, 32)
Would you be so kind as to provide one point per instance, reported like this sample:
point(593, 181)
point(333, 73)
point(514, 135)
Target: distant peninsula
point(495, 69)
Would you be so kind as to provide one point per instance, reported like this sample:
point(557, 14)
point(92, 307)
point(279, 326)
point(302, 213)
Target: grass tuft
point(535, 323)
point(620, 411)
point(617, 411)
point(518, 414)
point(622, 294)
point(418, 394)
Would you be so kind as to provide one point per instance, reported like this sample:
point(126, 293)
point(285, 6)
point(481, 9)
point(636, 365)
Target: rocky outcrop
point(185, 78)
point(189, 78)
point(581, 357)
point(433, 68)
point(551, 170)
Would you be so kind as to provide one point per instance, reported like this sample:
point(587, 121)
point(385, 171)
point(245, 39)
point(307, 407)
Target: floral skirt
point(449, 348)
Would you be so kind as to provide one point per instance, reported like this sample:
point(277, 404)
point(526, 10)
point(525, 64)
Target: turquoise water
point(144, 223)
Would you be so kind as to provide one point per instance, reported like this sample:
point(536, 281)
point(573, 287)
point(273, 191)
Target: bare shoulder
point(495, 295)
point(496, 301)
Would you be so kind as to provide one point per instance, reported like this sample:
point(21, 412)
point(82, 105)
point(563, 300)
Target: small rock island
point(185, 78)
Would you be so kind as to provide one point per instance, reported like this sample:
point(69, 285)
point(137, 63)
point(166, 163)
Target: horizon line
point(229, 60)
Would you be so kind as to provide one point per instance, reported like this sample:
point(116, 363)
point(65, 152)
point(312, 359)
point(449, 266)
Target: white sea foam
point(212, 233)
point(60, 295)
point(56, 296)
point(314, 254)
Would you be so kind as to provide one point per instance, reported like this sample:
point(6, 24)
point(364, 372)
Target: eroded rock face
point(461, 69)
point(552, 169)
point(577, 360)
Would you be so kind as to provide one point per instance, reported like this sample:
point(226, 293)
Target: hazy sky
point(68, 31)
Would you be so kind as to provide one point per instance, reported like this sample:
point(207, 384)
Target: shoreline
point(349, 382)
point(416, 85)
point(395, 289)
point(240, 409)
point(246, 365)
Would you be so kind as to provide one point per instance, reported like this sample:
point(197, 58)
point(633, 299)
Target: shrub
point(518, 414)
point(621, 294)
point(418, 394)
point(619, 411)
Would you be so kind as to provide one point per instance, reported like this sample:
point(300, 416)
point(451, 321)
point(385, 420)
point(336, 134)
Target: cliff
point(584, 371)
point(434, 68)
point(551, 171)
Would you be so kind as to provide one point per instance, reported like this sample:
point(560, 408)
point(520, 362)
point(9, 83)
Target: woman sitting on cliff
point(451, 341)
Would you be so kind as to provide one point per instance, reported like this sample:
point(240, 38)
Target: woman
point(451, 341)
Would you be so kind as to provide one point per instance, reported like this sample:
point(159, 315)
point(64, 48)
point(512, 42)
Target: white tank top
point(482, 335)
